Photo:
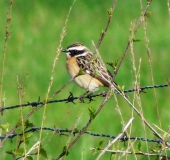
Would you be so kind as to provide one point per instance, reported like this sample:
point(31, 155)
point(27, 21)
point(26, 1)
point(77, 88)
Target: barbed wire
point(71, 98)
point(74, 132)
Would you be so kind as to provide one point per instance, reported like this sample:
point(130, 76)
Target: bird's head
point(76, 50)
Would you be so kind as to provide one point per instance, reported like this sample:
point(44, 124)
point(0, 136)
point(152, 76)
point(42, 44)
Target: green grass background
point(35, 34)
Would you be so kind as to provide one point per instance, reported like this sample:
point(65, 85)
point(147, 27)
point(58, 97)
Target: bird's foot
point(81, 98)
point(90, 97)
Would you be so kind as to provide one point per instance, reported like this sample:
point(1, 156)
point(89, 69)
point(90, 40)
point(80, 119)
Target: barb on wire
point(74, 132)
point(71, 97)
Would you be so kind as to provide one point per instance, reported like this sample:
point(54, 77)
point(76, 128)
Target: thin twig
point(117, 138)
point(63, 33)
point(45, 102)
point(65, 85)
point(139, 113)
point(107, 25)
point(7, 36)
point(86, 126)
point(140, 22)
point(160, 156)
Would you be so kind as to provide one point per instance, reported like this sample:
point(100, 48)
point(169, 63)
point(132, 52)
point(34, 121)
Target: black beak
point(64, 50)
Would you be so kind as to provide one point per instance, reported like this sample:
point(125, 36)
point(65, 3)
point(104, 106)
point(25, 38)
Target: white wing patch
point(87, 71)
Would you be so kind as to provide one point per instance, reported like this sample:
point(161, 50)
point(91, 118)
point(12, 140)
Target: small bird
point(89, 68)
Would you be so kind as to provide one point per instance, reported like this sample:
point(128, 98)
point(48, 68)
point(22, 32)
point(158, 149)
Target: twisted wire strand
point(71, 98)
point(62, 131)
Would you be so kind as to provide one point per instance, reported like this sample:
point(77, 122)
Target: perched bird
point(90, 70)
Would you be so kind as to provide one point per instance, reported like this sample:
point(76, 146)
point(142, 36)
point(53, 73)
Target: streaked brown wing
point(95, 68)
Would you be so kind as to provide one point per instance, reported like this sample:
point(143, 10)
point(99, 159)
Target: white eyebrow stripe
point(80, 55)
point(79, 48)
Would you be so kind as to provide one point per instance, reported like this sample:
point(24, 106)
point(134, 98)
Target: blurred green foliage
point(35, 34)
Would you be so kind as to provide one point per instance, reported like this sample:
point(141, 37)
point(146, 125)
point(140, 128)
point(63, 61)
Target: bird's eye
point(73, 51)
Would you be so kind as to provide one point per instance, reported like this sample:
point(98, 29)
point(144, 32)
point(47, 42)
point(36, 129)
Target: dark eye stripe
point(75, 52)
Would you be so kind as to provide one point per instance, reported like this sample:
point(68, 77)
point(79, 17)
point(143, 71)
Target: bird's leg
point(81, 98)
point(103, 94)
point(89, 96)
